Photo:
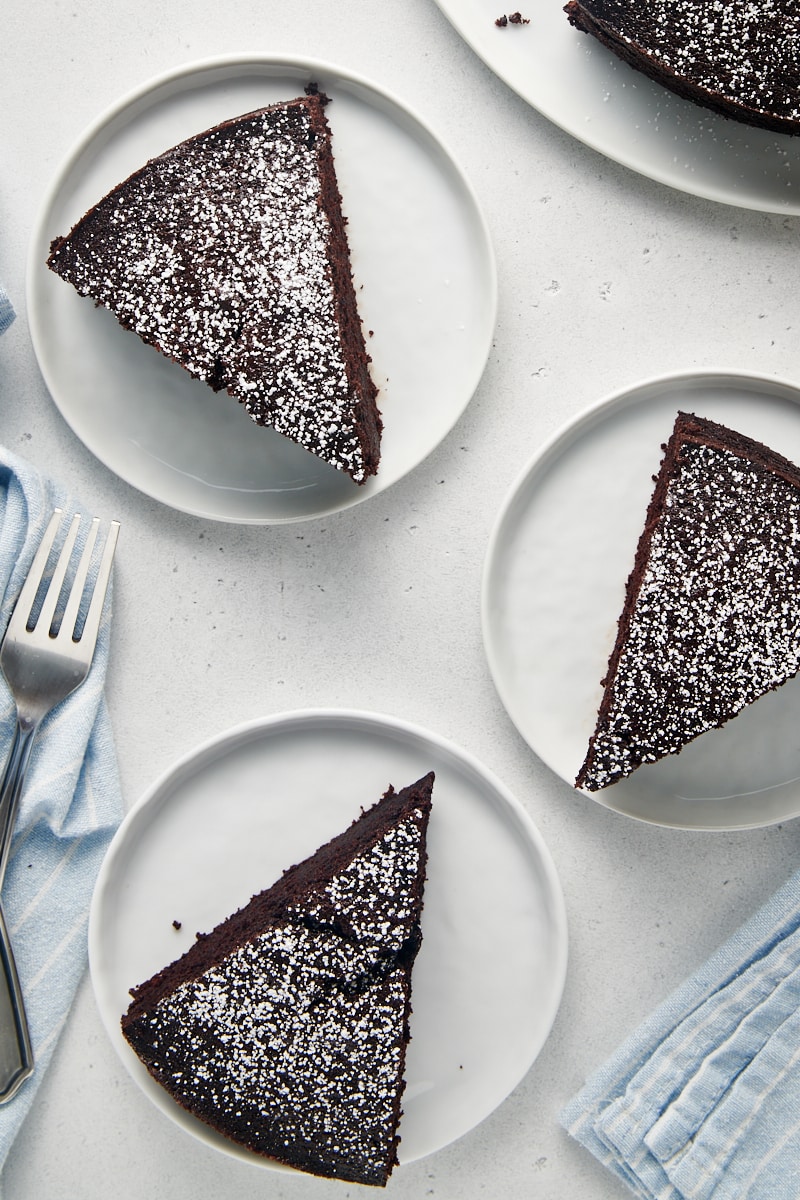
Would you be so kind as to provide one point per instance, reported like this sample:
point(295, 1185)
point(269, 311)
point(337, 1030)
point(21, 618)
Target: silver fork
point(42, 663)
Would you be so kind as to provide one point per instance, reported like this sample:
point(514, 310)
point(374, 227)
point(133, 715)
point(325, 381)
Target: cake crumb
point(515, 18)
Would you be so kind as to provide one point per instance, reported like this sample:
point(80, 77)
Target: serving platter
point(553, 588)
point(424, 271)
point(587, 91)
point(234, 813)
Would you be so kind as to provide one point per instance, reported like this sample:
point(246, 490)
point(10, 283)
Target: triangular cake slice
point(286, 1027)
point(739, 59)
point(229, 254)
point(711, 619)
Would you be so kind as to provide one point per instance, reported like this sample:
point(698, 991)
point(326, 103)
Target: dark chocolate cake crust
point(285, 1028)
point(228, 253)
point(741, 60)
point(711, 619)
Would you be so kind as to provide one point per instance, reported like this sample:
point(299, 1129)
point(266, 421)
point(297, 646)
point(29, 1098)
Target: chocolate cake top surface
point(223, 254)
point(285, 1028)
point(712, 614)
point(747, 51)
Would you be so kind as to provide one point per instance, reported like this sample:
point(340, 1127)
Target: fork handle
point(16, 1054)
point(11, 787)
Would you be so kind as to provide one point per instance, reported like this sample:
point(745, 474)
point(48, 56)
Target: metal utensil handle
point(11, 787)
point(16, 1054)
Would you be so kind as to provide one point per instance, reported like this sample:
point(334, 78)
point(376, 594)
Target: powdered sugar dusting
point(717, 619)
point(373, 895)
point(296, 1039)
point(274, 1040)
point(217, 253)
point(746, 52)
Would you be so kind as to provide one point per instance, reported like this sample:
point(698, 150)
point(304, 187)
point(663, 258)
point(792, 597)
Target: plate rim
point(618, 399)
point(241, 63)
point(270, 726)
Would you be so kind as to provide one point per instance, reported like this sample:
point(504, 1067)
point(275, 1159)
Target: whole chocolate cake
point(711, 619)
point(740, 58)
point(286, 1027)
point(229, 254)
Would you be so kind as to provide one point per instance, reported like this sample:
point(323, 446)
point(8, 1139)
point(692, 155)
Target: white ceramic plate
point(230, 817)
point(582, 87)
point(553, 589)
point(422, 263)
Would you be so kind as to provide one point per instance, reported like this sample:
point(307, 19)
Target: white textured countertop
point(605, 278)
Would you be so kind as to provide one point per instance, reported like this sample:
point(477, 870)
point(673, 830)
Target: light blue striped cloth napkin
point(703, 1100)
point(6, 310)
point(70, 807)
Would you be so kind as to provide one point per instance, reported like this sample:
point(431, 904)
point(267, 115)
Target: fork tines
point(42, 607)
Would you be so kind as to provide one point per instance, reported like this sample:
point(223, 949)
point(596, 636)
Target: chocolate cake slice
point(286, 1027)
point(741, 59)
point(711, 619)
point(229, 254)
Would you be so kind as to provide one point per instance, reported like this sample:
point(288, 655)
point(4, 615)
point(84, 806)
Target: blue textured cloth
point(703, 1100)
point(69, 809)
point(6, 310)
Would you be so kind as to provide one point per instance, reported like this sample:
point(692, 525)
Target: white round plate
point(553, 589)
point(586, 90)
point(229, 818)
point(422, 264)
